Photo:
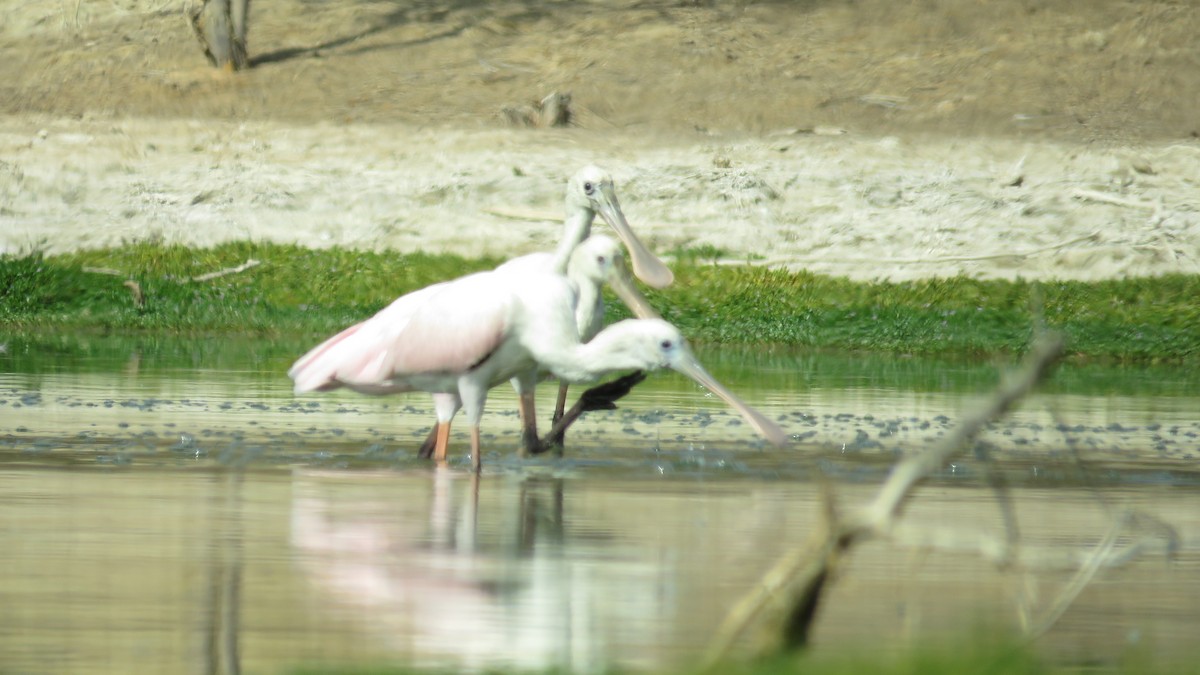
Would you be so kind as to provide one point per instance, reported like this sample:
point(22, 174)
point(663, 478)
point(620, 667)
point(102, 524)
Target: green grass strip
point(304, 292)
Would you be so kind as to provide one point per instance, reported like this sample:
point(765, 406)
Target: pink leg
point(443, 442)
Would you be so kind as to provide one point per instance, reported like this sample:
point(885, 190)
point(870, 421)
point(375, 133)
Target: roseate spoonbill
point(594, 262)
point(589, 192)
point(465, 336)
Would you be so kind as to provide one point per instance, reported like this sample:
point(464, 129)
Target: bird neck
point(576, 228)
point(617, 347)
point(587, 307)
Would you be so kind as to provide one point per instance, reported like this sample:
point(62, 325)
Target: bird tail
point(317, 370)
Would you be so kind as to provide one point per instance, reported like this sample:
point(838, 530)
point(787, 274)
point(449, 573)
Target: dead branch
point(237, 269)
point(221, 29)
point(1041, 559)
point(251, 263)
point(552, 111)
point(103, 270)
point(881, 513)
point(520, 214)
point(783, 605)
point(135, 289)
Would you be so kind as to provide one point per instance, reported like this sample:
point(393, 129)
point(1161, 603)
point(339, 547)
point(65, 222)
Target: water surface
point(169, 506)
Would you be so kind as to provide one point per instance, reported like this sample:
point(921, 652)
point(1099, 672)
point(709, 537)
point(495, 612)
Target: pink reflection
point(411, 570)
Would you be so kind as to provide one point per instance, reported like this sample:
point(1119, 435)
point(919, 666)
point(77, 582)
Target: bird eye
point(601, 259)
point(666, 344)
point(588, 188)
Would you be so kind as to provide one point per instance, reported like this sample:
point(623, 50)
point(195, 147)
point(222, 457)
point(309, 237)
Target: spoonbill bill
point(590, 192)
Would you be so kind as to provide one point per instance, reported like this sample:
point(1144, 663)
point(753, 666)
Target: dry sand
point(930, 141)
point(864, 207)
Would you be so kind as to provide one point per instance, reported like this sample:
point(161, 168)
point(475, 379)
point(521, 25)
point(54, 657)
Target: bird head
point(591, 188)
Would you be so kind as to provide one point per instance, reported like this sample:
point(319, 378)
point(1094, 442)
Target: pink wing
point(311, 372)
point(442, 329)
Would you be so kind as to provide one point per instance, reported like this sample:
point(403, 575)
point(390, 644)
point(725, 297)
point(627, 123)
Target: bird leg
point(443, 442)
point(600, 397)
point(530, 445)
point(476, 454)
point(561, 404)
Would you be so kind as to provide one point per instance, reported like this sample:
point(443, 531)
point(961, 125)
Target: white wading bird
point(596, 261)
point(589, 192)
point(465, 336)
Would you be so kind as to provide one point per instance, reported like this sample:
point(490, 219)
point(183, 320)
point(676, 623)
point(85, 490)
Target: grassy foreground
point(303, 292)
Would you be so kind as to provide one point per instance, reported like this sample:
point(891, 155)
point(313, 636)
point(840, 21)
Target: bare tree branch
point(784, 604)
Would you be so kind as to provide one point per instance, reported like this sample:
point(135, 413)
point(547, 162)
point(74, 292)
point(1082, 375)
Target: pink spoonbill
point(590, 191)
point(465, 336)
point(596, 261)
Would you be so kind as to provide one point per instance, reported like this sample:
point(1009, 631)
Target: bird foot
point(605, 396)
point(601, 397)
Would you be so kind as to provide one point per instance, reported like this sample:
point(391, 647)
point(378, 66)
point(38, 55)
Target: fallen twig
point(1092, 195)
point(554, 110)
point(251, 263)
point(103, 270)
point(135, 289)
point(518, 214)
point(888, 503)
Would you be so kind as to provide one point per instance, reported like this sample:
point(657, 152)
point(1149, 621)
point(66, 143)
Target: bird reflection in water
point(437, 586)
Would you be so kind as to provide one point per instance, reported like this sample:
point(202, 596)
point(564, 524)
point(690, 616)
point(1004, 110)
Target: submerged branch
point(784, 603)
point(896, 490)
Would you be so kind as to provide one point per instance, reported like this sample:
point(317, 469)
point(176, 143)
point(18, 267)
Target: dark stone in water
point(862, 441)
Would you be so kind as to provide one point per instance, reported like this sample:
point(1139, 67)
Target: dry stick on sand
point(1092, 195)
point(784, 604)
point(540, 216)
point(521, 214)
point(775, 262)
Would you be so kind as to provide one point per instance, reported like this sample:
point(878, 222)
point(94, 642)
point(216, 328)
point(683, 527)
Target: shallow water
point(168, 506)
